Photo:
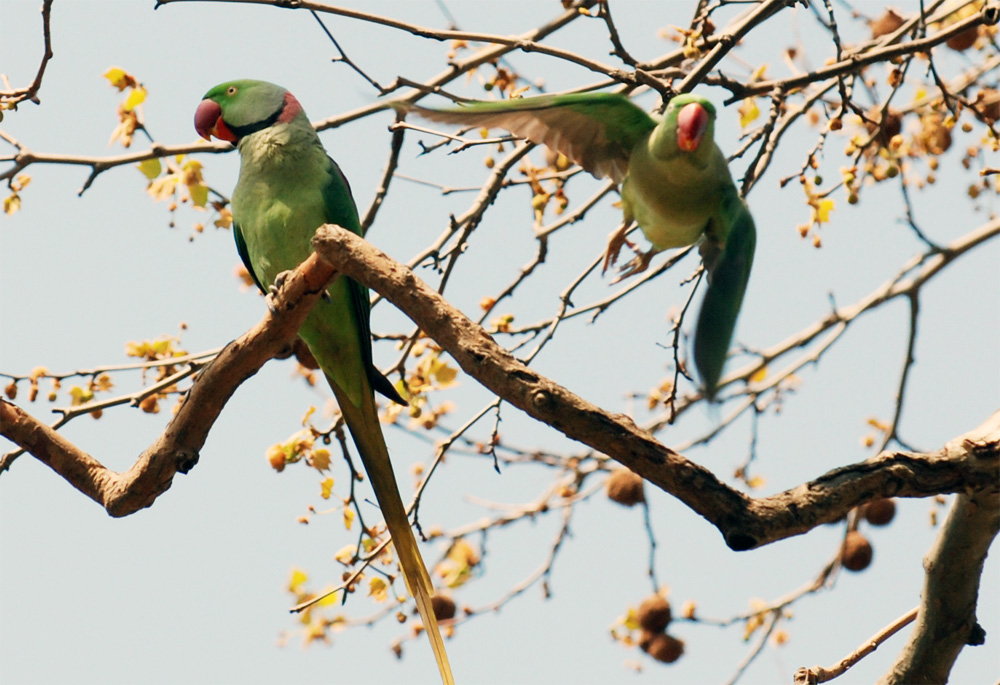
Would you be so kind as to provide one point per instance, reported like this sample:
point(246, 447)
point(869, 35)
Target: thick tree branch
point(177, 448)
point(947, 618)
point(744, 522)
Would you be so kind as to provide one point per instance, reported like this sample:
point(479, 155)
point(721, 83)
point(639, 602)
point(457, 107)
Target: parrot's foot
point(636, 265)
point(272, 291)
point(615, 242)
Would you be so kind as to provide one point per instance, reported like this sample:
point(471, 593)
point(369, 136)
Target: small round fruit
point(880, 512)
point(654, 614)
point(857, 554)
point(887, 23)
point(444, 607)
point(625, 488)
point(961, 42)
point(662, 647)
point(304, 355)
point(988, 103)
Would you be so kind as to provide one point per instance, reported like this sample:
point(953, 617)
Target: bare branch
point(177, 448)
point(855, 62)
point(818, 674)
point(744, 522)
point(10, 98)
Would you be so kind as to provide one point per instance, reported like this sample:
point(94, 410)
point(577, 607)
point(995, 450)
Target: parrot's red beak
point(692, 121)
point(208, 122)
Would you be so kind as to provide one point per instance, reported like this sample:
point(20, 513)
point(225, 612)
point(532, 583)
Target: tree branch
point(947, 621)
point(177, 448)
point(744, 522)
point(818, 674)
point(10, 98)
point(855, 62)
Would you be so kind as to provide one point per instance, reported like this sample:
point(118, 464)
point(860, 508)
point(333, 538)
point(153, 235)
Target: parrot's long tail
point(728, 274)
point(364, 425)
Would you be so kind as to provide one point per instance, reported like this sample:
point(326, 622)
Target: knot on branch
point(991, 15)
point(185, 460)
point(977, 635)
point(541, 399)
point(739, 541)
point(982, 449)
point(726, 41)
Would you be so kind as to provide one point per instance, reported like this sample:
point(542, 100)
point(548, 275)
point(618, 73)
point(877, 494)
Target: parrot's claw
point(615, 242)
point(272, 292)
point(636, 265)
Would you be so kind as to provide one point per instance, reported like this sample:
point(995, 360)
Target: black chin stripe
point(243, 131)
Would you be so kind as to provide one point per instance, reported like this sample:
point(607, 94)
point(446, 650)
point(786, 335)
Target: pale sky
point(192, 589)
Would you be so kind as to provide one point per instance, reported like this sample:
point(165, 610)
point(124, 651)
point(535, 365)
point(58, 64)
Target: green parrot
point(288, 187)
point(675, 183)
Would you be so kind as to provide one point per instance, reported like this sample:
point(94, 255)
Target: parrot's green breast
point(278, 207)
point(673, 200)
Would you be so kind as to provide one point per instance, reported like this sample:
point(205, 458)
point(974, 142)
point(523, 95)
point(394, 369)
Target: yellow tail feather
point(364, 425)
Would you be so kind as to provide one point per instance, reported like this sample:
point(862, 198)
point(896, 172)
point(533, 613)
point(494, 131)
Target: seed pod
point(961, 42)
point(880, 512)
point(988, 104)
point(444, 607)
point(886, 24)
point(662, 647)
point(625, 488)
point(857, 554)
point(654, 614)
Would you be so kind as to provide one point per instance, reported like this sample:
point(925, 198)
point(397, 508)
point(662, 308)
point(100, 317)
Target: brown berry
point(888, 127)
point(304, 355)
point(444, 607)
point(654, 614)
point(880, 512)
point(964, 40)
point(857, 553)
point(988, 104)
point(625, 487)
point(662, 647)
point(935, 136)
point(886, 24)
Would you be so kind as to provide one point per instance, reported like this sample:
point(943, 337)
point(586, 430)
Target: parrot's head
point(694, 120)
point(236, 109)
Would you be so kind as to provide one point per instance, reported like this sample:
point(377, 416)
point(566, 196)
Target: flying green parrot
point(675, 183)
point(288, 187)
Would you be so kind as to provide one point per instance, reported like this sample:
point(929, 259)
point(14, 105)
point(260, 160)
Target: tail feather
point(364, 425)
point(728, 274)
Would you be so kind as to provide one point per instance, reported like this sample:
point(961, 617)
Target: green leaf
point(151, 168)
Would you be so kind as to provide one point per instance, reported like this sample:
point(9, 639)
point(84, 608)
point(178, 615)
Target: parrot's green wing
point(595, 130)
point(340, 203)
point(241, 247)
point(728, 273)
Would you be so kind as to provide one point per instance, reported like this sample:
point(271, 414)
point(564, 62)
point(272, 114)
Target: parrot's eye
point(231, 90)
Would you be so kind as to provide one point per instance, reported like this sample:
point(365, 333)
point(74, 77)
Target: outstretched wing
point(595, 130)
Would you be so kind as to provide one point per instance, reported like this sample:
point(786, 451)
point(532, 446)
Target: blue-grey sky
point(192, 589)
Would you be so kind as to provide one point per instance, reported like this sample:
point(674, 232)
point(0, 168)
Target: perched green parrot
point(288, 187)
point(675, 183)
